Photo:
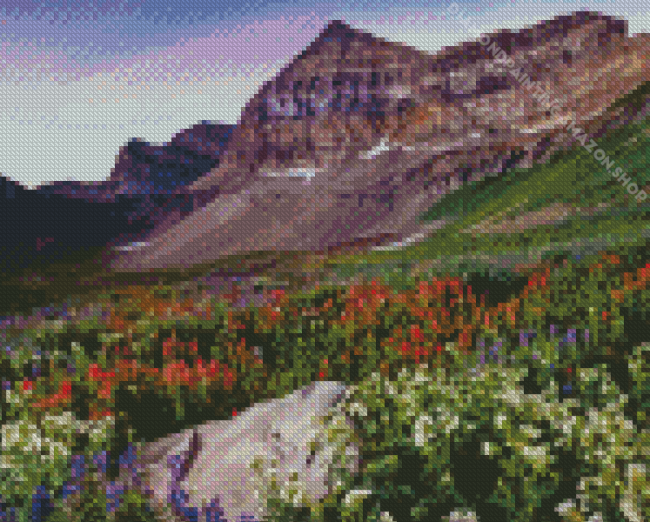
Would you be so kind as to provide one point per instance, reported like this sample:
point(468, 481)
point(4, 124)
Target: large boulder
point(209, 470)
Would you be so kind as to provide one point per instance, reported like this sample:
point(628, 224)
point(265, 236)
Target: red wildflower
point(62, 398)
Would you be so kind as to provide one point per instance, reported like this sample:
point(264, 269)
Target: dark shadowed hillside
point(147, 182)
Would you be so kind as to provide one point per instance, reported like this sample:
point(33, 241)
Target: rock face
point(358, 137)
point(206, 470)
point(142, 168)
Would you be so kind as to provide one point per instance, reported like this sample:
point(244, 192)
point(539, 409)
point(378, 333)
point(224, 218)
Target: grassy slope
point(573, 177)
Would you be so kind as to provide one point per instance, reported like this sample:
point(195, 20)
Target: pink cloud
point(246, 47)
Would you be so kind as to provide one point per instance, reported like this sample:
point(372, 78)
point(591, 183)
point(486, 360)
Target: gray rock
point(209, 467)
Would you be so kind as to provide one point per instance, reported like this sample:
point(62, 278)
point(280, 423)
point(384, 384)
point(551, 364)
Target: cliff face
point(380, 131)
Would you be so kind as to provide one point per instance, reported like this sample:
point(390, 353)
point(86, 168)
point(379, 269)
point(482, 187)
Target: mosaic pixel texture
point(324, 262)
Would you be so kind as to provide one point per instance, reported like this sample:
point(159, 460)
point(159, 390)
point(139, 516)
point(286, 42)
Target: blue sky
point(78, 79)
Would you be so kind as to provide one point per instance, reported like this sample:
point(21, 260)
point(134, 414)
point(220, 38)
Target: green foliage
point(435, 411)
point(37, 453)
point(639, 365)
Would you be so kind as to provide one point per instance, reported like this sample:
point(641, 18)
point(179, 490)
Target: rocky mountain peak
point(381, 128)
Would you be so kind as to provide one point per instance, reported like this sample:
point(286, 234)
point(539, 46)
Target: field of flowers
point(90, 388)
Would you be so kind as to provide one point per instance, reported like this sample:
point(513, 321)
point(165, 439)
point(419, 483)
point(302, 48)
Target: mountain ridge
point(354, 123)
point(393, 136)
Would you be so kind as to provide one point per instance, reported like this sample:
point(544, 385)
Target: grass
point(433, 358)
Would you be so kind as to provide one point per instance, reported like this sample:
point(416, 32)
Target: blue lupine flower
point(7, 514)
point(77, 466)
point(78, 471)
point(129, 457)
point(567, 388)
point(70, 489)
point(587, 335)
point(102, 461)
point(113, 494)
point(42, 505)
point(175, 464)
point(179, 500)
point(214, 512)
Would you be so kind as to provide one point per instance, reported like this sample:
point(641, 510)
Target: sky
point(80, 78)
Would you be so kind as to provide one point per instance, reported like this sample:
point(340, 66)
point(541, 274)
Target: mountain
point(147, 182)
point(142, 168)
point(358, 136)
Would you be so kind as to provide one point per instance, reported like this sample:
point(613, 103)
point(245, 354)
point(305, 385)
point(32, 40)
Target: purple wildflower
point(113, 495)
point(495, 350)
point(214, 512)
point(181, 464)
point(69, 489)
point(524, 336)
point(179, 500)
point(175, 464)
point(102, 460)
point(129, 457)
point(77, 466)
